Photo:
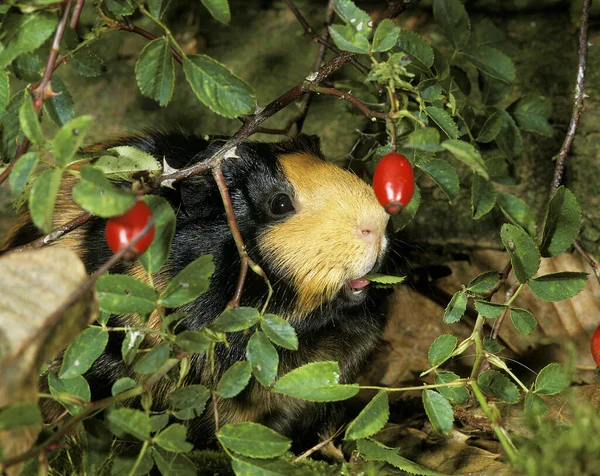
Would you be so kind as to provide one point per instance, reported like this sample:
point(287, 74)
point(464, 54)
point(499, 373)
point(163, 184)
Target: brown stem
point(588, 258)
point(348, 97)
point(579, 96)
point(502, 279)
point(128, 26)
point(77, 13)
point(498, 324)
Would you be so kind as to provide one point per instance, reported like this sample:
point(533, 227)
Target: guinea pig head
point(335, 235)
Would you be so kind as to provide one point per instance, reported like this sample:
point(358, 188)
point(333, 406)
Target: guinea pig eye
point(281, 204)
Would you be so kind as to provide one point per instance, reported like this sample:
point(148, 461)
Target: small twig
point(320, 445)
point(77, 13)
point(215, 400)
point(503, 276)
point(579, 97)
point(128, 26)
point(498, 323)
point(588, 258)
point(348, 97)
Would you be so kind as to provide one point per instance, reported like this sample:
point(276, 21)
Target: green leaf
point(173, 463)
point(467, 154)
point(497, 385)
point(347, 38)
point(551, 380)
point(21, 172)
point(316, 382)
point(11, 128)
point(121, 294)
point(531, 112)
point(128, 420)
point(483, 283)
point(24, 33)
point(491, 61)
point(509, 138)
point(483, 197)
point(517, 211)
point(454, 20)
point(455, 308)
point(43, 197)
point(236, 319)
point(438, 411)
point(252, 439)
point(352, 15)
point(444, 175)
point(217, 87)
point(279, 331)
point(441, 349)
point(523, 252)
point(155, 71)
point(4, 90)
point(243, 466)
point(125, 465)
point(444, 121)
point(120, 7)
point(164, 221)
point(263, 358)
point(87, 63)
point(490, 309)
point(153, 360)
point(190, 400)
point(121, 385)
point(409, 212)
point(131, 343)
point(523, 320)
point(29, 121)
point(60, 108)
point(424, 138)
point(558, 286)
point(371, 419)
point(69, 138)
point(492, 346)
point(172, 439)
point(456, 395)
point(19, 415)
point(488, 34)
point(562, 223)
point(534, 405)
point(157, 9)
point(375, 451)
point(234, 379)
point(386, 36)
point(461, 79)
point(219, 9)
point(83, 352)
point(128, 161)
point(28, 67)
point(76, 386)
point(491, 128)
point(189, 283)
point(193, 341)
point(95, 194)
point(417, 49)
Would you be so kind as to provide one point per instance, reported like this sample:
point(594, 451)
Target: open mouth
point(356, 289)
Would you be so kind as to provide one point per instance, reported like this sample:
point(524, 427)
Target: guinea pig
point(313, 227)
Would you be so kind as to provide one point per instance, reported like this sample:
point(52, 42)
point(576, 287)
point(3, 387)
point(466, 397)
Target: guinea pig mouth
point(356, 289)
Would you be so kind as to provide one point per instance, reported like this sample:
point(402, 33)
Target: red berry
point(394, 182)
point(595, 346)
point(122, 229)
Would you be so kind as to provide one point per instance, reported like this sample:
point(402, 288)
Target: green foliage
point(441, 349)
point(438, 411)
point(371, 419)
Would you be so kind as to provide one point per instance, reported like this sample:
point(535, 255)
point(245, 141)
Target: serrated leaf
point(348, 39)
point(441, 349)
point(155, 71)
point(87, 63)
point(131, 343)
point(352, 15)
point(29, 121)
point(417, 49)
point(456, 307)
point(128, 420)
point(523, 252)
point(483, 197)
point(531, 113)
point(444, 175)
point(121, 294)
point(164, 222)
point(253, 440)
point(234, 379)
point(189, 283)
point(173, 463)
point(497, 385)
point(69, 138)
point(120, 7)
point(121, 385)
point(133, 464)
point(236, 319)
point(172, 439)
point(21, 172)
point(491, 61)
point(401, 220)
point(28, 67)
point(83, 352)
point(24, 33)
point(263, 358)
point(157, 9)
point(461, 79)
point(523, 320)
point(509, 138)
point(454, 20)
point(193, 341)
point(483, 283)
point(371, 419)
point(219, 9)
point(551, 380)
point(488, 34)
point(217, 87)
point(386, 36)
point(316, 382)
point(467, 154)
point(77, 386)
point(562, 223)
point(190, 400)
point(279, 331)
point(490, 309)
point(243, 466)
point(534, 405)
point(555, 287)
point(153, 360)
point(60, 108)
point(491, 128)
point(128, 161)
point(456, 395)
point(492, 346)
point(384, 278)
point(424, 138)
point(43, 197)
point(438, 411)
point(444, 121)
point(95, 194)
point(4, 90)
point(19, 415)
point(11, 129)
point(517, 211)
